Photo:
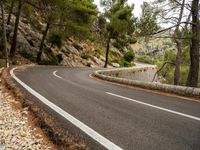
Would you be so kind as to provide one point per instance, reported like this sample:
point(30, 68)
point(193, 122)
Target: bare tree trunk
point(193, 75)
point(4, 35)
point(107, 52)
point(164, 64)
point(14, 40)
point(42, 43)
point(187, 22)
point(10, 12)
point(177, 72)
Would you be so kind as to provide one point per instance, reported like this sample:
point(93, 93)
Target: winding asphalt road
point(115, 116)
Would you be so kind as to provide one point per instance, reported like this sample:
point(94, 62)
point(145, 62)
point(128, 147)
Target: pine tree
point(79, 16)
point(195, 44)
point(50, 12)
point(147, 24)
point(120, 23)
point(74, 17)
point(4, 33)
point(14, 39)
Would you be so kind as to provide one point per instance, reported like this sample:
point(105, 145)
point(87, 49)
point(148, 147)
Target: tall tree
point(173, 12)
point(73, 17)
point(194, 48)
point(147, 23)
point(79, 16)
point(12, 3)
point(4, 33)
point(179, 45)
point(50, 12)
point(120, 22)
point(14, 39)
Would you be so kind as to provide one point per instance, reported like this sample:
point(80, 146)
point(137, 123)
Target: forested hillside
point(76, 33)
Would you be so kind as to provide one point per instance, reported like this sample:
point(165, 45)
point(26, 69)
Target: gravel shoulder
point(16, 129)
point(26, 124)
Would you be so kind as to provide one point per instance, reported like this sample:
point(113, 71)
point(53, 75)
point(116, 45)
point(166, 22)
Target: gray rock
point(115, 65)
point(71, 49)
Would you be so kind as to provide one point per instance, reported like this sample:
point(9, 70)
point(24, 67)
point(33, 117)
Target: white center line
point(89, 131)
point(157, 107)
point(54, 73)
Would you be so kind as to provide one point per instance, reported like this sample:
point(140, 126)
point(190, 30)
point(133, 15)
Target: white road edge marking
point(89, 131)
point(157, 107)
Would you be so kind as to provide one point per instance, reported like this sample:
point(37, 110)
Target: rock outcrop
point(70, 54)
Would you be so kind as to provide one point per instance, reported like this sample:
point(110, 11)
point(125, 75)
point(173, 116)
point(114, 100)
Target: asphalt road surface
point(117, 117)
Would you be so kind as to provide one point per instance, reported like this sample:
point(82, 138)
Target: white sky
point(137, 9)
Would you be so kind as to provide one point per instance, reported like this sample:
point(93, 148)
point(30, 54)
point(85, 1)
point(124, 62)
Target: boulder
point(102, 58)
point(71, 49)
point(98, 61)
point(116, 65)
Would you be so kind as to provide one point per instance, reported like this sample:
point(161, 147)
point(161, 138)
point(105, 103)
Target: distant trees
point(120, 23)
point(147, 23)
point(167, 15)
point(177, 13)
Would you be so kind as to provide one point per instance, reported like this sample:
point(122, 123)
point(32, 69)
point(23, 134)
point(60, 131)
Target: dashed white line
point(150, 105)
point(154, 106)
point(89, 131)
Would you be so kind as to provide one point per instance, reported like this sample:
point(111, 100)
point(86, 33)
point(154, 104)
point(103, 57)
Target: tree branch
point(163, 30)
point(165, 63)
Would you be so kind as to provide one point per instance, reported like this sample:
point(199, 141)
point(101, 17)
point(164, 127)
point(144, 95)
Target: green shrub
point(56, 38)
point(28, 55)
point(113, 56)
point(129, 56)
point(53, 62)
point(124, 63)
point(85, 56)
point(116, 61)
point(145, 59)
point(184, 74)
point(14, 62)
point(97, 53)
point(60, 58)
point(35, 22)
point(170, 55)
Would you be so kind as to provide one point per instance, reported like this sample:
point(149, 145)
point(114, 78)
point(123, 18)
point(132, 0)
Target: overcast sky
point(137, 9)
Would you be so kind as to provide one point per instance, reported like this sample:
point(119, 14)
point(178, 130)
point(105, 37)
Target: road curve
point(128, 118)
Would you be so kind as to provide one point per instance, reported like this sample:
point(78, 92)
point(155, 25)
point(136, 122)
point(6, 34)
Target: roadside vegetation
point(75, 33)
point(61, 29)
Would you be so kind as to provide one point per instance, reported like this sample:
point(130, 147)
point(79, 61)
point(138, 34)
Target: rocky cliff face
point(73, 53)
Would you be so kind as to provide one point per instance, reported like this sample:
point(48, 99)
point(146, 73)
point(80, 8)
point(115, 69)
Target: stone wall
point(117, 75)
point(136, 73)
